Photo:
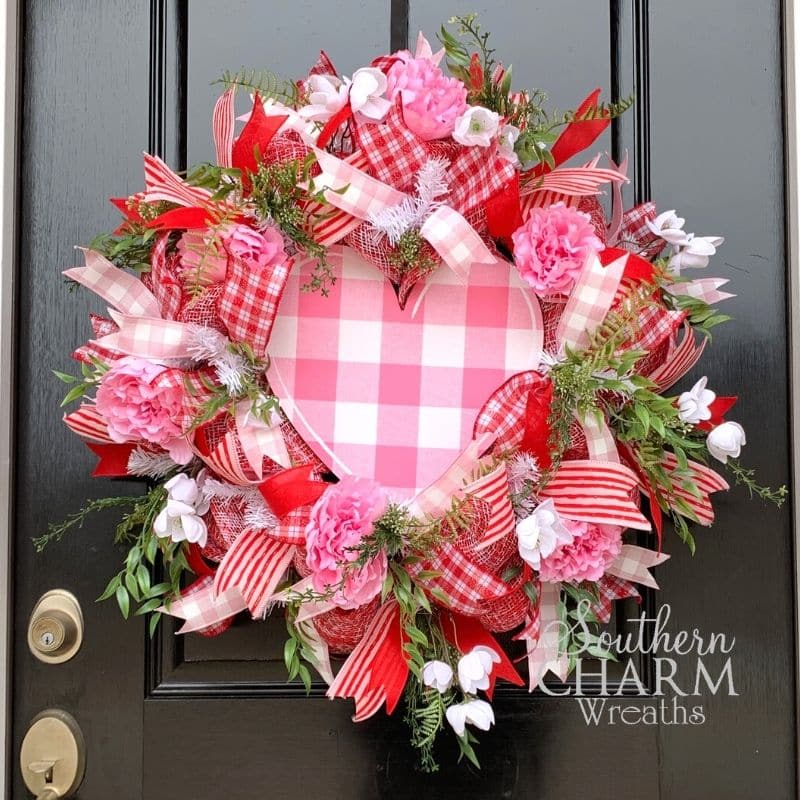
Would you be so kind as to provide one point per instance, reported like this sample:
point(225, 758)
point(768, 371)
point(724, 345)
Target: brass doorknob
point(53, 755)
point(55, 630)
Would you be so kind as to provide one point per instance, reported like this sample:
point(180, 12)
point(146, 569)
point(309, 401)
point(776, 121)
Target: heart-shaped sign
point(393, 394)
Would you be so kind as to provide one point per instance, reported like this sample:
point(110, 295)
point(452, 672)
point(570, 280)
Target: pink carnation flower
point(587, 558)
point(258, 248)
point(432, 101)
point(202, 260)
point(340, 519)
point(142, 400)
point(550, 248)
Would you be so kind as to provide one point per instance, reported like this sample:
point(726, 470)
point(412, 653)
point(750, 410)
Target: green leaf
point(131, 586)
point(143, 580)
point(74, 394)
point(110, 589)
point(62, 376)
point(290, 652)
point(123, 601)
point(153, 624)
point(146, 608)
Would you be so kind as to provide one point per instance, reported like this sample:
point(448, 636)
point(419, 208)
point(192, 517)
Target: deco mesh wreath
point(390, 371)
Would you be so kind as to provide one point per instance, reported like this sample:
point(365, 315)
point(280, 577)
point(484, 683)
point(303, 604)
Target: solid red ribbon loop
point(465, 633)
point(291, 489)
point(577, 136)
point(113, 461)
point(333, 125)
point(252, 143)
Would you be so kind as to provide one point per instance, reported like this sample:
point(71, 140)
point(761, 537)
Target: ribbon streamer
point(376, 671)
point(633, 564)
point(542, 636)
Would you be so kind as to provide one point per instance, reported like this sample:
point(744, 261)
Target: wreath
point(390, 369)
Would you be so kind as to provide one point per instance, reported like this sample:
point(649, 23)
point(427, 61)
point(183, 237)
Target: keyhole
point(47, 639)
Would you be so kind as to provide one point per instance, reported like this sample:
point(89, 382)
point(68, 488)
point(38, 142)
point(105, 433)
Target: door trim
point(791, 59)
point(9, 76)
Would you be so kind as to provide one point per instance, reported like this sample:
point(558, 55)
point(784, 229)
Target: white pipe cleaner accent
point(146, 464)
point(256, 512)
point(211, 346)
point(412, 211)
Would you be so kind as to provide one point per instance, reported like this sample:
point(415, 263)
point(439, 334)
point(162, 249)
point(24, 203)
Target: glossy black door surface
point(105, 80)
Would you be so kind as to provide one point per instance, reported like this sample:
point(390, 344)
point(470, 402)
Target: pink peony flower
point(340, 519)
point(592, 551)
point(551, 247)
point(142, 400)
point(431, 100)
point(260, 248)
point(202, 260)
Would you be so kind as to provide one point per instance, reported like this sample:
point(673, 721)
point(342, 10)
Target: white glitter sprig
point(146, 464)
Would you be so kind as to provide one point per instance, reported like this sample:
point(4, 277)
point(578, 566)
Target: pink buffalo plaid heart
point(393, 394)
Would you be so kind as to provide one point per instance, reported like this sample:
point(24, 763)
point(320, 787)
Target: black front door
point(213, 718)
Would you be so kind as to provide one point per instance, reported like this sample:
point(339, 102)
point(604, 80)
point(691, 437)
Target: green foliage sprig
point(526, 109)
point(412, 252)
point(278, 195)
point(264, 83)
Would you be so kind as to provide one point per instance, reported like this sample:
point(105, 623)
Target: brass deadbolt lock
point(55, 630)
point(53, 755)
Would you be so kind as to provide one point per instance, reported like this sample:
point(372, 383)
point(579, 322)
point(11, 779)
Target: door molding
point(791, 64)
point(9, 77)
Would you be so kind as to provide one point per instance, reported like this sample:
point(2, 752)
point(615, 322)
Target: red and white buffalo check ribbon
point(353, 191)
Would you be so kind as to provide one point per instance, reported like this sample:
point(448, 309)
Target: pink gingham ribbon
point(542, 636)
point(590, 301)
point(351, 190)
point(119, 289)
point(259, 438)
point(633, 564)
point(705, 289)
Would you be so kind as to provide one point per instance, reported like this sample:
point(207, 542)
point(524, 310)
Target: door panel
point(207, 718)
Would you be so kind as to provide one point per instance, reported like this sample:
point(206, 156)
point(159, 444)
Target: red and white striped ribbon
point(358, 679)
point(679, 361)
point(494, 490)
point(161, 183)
point(86, 421)
point(254, 565)
point(596, 491)
point(705, 480)
point(222, 125)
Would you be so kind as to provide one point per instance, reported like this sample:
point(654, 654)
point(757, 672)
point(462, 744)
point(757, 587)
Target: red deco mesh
point(552, 310)
point(225, 521)
point(286, 147)
point(202, 308)
point(508, 612)
point(341, 629)
point(591, 205)
point(490, 558)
